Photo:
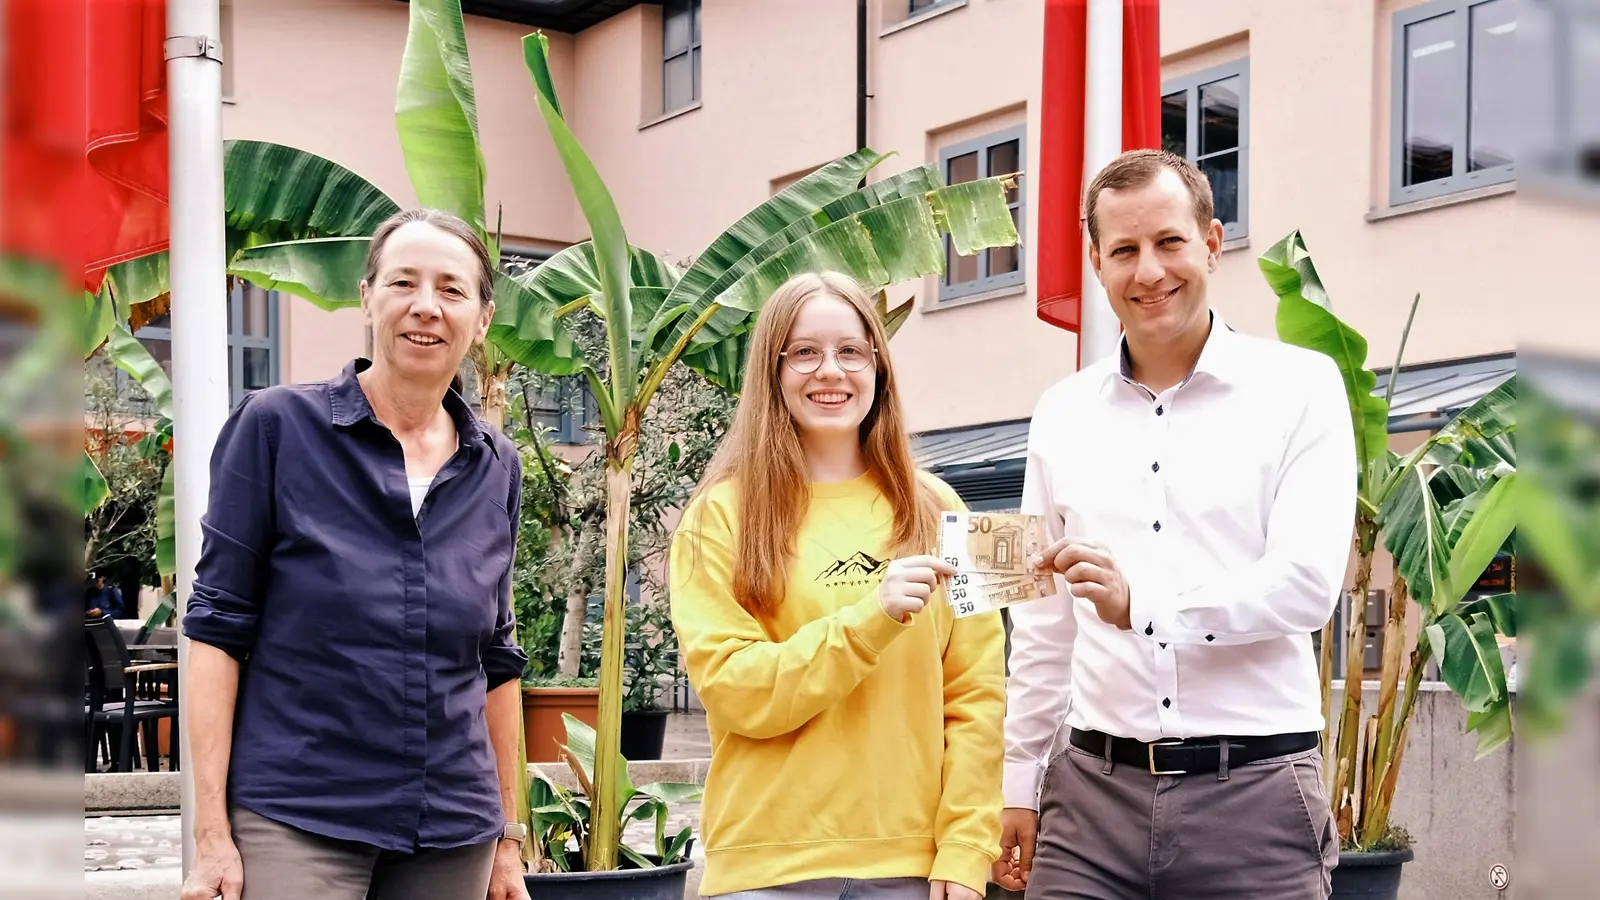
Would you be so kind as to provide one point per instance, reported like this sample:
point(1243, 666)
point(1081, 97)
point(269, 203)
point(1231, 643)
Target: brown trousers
point(1109, 831)
point(283, 862)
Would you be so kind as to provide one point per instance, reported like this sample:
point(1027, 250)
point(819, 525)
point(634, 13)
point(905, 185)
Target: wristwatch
point(515, 831)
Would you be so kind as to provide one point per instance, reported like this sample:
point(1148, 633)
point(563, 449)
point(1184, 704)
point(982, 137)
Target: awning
point(984, 463)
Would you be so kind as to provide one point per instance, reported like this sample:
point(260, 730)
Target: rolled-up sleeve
point(503, 659)
point(237, 534)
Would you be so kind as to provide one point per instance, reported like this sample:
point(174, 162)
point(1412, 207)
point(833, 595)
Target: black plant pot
point(643, 734)
point(1369, 876)
point(660, 883)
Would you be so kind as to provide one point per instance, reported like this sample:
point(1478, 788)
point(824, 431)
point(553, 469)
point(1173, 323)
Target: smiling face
point(1155, 260)
point(830, 400)
point(423, 303)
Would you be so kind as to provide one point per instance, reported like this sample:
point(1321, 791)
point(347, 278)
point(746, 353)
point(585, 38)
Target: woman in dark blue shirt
point(353, 682)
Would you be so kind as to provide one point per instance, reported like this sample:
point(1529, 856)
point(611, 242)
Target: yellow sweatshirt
point(844, 744)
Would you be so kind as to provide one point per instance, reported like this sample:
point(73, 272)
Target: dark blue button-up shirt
point(369, 638)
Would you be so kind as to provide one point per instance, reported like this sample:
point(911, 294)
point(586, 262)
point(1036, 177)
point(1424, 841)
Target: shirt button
point(1167, 702)
point(1211, 637)
point(1155, 467)
point(1160, 410)
point(1157, 526)
point(1150, 628)
point(1163, 645)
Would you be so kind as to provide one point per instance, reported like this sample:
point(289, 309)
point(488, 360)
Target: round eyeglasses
point(852, 356)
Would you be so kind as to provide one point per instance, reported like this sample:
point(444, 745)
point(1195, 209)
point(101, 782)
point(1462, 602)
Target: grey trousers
point(1109, 831)
point(283, 862)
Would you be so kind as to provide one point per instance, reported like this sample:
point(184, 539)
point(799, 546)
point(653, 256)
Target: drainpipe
point(861, 75)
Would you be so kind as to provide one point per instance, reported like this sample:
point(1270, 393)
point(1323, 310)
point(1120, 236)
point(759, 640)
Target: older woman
point(353, 679)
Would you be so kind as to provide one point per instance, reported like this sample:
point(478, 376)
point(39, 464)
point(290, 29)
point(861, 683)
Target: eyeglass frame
point(872, 361)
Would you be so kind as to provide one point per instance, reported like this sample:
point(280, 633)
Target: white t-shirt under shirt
point(419, 491)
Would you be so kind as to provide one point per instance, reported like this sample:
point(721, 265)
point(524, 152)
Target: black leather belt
point(1192, 755)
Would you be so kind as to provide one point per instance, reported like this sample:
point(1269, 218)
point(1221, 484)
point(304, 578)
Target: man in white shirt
point(1200, 490)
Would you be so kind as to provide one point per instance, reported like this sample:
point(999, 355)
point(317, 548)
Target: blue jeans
point(840, 889)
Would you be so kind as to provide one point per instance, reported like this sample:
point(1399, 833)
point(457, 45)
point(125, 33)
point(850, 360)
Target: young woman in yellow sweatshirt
point(856, 725)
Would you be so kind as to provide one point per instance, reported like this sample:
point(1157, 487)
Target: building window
point(1000, 153)
point(1455, 87)
point(1561, 93)
point(253, 361)
point(1205, 118)
point(918, 6)
point(564, 405)
point(680, 54)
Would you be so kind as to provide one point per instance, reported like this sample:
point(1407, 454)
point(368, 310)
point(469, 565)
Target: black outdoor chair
point(123, 696)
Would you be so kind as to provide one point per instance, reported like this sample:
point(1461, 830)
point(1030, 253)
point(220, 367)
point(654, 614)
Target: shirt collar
point(349, 405)
point(1216, 357)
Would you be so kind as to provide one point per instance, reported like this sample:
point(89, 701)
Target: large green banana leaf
point(729, 320)
point(271, 193)
point(326, 271)
point(605, 225)
point(1482, 435)
point(1305, 318)
point(1414, 531)
point(436, 113)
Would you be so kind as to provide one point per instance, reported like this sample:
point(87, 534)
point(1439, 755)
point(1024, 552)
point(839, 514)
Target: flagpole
point(1102, 143)
point(200, 364)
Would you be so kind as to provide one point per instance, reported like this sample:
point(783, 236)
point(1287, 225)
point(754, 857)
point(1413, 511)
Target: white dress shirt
point(1228, 503)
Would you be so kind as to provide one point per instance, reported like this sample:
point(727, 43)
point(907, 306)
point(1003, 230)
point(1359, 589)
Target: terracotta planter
point(541, 717)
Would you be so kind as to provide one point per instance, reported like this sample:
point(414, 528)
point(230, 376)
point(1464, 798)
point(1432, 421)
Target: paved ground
point(120, 851)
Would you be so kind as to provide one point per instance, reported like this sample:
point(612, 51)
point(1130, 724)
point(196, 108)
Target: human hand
point(505, 880)
point(1092, 574)
point(949, 890)
point(909, 582)
point(1018, 829)
point(216, 872)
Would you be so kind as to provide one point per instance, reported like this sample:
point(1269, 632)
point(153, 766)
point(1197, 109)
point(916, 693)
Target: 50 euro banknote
point(991, 543)
point(972, 593)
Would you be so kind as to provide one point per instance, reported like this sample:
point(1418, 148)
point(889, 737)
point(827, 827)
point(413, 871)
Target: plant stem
point(1377, 822)
point(606, 819)
point(1350, 732)
point(1393, 635)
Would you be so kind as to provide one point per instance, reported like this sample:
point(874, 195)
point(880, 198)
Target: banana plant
point(1443, 511)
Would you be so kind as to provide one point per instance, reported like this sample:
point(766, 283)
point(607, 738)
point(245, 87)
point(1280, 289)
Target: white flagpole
point(200, 390)
point(1102, 140)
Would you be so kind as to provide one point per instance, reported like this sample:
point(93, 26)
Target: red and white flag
point(1063, 136)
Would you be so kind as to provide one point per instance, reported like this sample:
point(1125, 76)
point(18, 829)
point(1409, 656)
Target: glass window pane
point(1223, 172)
point(1175, 123)
point(919, 5)
point(675, 28)
point(695, 75)
point(961, 168)
point(1582, 75)
point(1003, 259)
point(1003, 160)
point(161, 350)
point(1432, 62)
point(959, 269)
point(257, 368)
point(678, 79)
point(256, 306)
point(1496, 83)
point(1219, 115)
point(695, 9)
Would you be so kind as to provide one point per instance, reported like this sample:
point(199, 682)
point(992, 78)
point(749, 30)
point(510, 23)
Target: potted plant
point(561, 822)
point(1444, 511)
point(650, 656)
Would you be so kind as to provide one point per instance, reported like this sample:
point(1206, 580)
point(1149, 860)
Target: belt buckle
point(1151, 747)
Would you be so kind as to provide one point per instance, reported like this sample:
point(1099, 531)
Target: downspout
point(861, 75)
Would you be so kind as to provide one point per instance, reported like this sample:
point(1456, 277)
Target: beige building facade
point(1381, 129)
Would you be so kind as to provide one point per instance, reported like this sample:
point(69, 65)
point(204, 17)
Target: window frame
point(912, 12)
point(238, 341)
point(1190, 86)
point(1460, 179)
point(985, 283)
point(693, 10)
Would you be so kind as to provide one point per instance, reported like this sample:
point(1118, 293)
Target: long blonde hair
point(762, 452)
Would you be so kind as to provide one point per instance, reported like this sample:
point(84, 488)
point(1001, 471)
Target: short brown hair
point(1137, 168)
point(449, 224)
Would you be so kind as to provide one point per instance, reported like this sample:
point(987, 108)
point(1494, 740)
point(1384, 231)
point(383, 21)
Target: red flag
point(126, 213)
point(1061, 139)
